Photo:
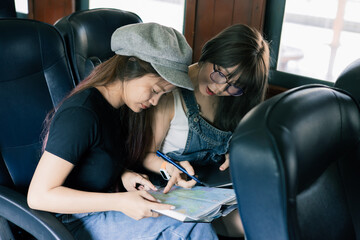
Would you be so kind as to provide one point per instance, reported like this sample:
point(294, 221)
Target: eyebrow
point(227, 72)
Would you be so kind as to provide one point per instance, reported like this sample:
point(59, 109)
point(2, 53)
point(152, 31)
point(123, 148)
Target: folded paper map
point(197, 204)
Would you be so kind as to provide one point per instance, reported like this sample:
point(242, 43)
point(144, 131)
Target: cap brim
point(175, 77)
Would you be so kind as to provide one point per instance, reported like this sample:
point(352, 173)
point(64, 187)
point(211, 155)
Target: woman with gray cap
point(99, 125)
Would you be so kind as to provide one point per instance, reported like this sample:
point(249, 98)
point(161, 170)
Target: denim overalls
point(205, 144)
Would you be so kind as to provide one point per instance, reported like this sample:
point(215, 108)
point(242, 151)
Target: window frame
point(274, 15)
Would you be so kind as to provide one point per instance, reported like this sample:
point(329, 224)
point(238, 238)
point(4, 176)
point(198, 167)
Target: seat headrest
point(349, 79)
point(88, 33)
point(315, 123)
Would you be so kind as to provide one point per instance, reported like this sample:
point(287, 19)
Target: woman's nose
point(154, 100)
point(220, 87)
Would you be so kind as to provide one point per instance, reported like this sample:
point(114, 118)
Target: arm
point(162, 115)
point(47, 193)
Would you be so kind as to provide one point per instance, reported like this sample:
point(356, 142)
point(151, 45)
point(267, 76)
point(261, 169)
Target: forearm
point(162, 116)
point(66, 200)
point(152, 162)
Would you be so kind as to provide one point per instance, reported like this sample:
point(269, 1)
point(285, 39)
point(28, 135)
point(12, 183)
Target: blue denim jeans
point(116, 225)
point(205, 143)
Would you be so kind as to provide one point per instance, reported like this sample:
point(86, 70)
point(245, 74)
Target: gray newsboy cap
point(163, 47)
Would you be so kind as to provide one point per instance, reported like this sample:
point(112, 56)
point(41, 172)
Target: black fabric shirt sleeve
point(72, 133)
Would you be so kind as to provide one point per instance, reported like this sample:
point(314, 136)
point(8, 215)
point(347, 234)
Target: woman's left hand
point(133, 181)
point(226, 164)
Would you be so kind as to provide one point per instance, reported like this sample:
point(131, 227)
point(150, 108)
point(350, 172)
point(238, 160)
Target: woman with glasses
point(195, 128)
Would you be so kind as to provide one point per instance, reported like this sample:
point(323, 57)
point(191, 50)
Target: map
point(197, 203)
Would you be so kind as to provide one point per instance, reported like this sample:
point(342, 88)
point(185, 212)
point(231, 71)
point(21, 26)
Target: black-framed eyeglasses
point(218, 77)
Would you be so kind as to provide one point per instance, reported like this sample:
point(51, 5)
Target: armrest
point(42, 225)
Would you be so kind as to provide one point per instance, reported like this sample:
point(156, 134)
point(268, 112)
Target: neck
point(113, 94)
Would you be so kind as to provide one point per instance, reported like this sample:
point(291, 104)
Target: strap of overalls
point(190, 102)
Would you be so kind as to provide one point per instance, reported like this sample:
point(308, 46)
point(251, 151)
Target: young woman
point(100, 125)
point(196, 127)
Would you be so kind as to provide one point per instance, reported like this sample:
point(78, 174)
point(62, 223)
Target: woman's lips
point(208, 91)
point(144, 107)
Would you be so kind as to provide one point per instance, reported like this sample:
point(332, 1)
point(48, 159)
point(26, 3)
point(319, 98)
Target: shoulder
point(74, 121)
point(78, 105)
point(88, 103)
point(75, 114)
point(77, 111)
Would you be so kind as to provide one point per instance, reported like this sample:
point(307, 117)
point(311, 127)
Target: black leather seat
point(349, 79)
point(294, 161)
point(35, 76)
point(87, 34)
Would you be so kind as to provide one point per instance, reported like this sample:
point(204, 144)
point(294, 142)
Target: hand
point(139, 204)
point(133, 181)
point(226, 164)
point(178, 177)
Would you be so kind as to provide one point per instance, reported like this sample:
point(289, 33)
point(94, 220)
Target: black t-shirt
point(85, 131)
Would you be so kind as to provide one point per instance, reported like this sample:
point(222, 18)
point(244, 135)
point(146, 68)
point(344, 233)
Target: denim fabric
point(205, 143)
point(116, 225)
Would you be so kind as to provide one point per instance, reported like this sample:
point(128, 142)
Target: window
point(21, 6)
point(166, 12)
point(319, 38)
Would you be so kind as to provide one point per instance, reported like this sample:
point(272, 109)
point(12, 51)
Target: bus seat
point(35, 76)
point(294, 161)
point(349, 79)
point(87, 35)
point(7, 9)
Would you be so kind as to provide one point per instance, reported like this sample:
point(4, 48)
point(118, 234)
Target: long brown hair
point(135, 126)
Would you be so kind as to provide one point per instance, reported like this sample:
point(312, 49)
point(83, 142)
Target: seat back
point(294, 161)
point(349, 79)
point(87, 35)
point(35, 76)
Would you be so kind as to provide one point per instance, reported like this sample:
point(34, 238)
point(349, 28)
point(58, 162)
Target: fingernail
point(172, 207)
point(158, 200)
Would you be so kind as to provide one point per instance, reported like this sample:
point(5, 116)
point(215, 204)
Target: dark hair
point(135, 126)
point(242, 46)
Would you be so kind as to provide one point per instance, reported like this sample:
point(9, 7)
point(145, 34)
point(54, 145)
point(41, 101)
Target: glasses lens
point(235, 91)
point(218, 77)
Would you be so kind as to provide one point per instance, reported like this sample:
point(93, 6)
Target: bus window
point(21, 6)
point(166, 12)
point(319, 38)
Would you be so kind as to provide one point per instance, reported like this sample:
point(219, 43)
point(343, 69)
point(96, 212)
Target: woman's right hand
point(139, 204)
point(133, 181)
point(178, 177)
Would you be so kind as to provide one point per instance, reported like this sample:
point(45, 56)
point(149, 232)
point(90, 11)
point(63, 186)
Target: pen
point(166, 158)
